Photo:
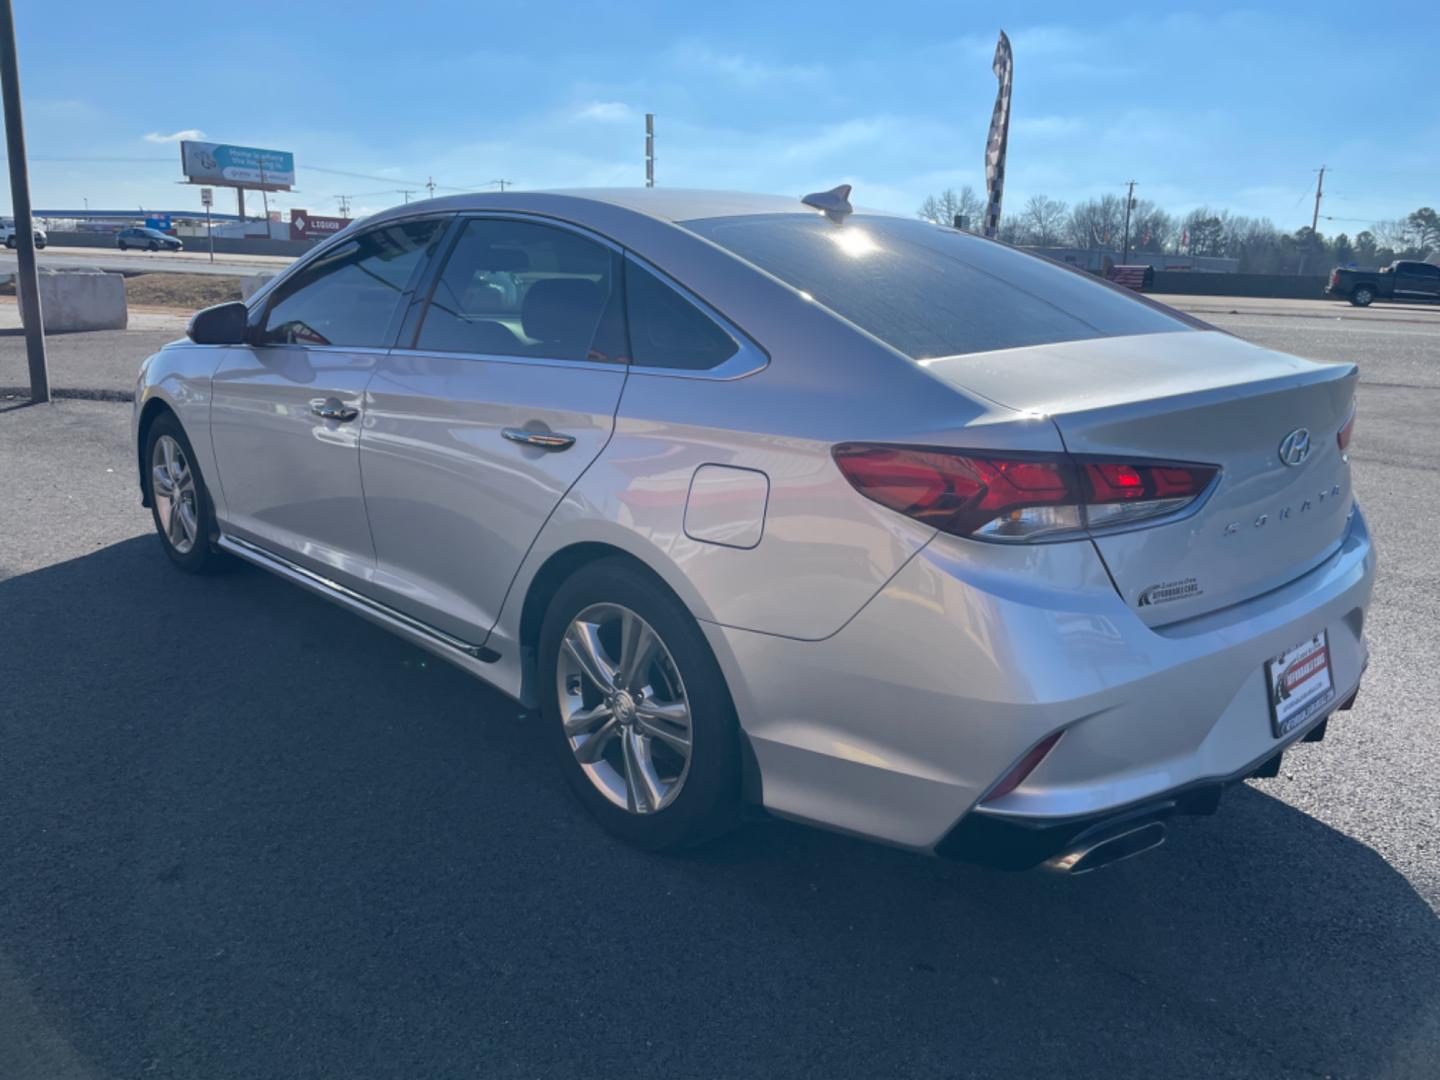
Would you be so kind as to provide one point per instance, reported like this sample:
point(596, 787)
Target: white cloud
point(188, 133)
point(606, 111)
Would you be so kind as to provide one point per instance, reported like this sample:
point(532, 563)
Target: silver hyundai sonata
point(761, 502)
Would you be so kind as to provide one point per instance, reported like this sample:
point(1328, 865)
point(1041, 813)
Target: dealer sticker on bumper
point(1300, 684)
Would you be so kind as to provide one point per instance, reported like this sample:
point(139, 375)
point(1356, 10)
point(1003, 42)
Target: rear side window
point(348, 295)
point(519, 288)
point(927, 291)
point(667, 330)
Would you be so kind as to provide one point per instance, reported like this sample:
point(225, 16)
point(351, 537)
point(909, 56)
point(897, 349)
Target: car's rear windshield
point(929, 291)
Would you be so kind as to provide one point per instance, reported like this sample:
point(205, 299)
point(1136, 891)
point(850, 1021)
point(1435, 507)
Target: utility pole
point(344, 201)
point(27, 281)
point(1129, 205)
point(430, 185)
point(649, 149)
point(207, 197)
point(503, 184)
point(1314, 219)
point(407, 192)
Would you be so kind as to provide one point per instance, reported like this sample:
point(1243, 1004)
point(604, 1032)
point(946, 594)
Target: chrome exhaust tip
point(1109, 848)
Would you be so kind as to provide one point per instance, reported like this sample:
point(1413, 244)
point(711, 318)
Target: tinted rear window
point(928, 291)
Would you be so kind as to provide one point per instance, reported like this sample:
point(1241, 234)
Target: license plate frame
point(1300, 684)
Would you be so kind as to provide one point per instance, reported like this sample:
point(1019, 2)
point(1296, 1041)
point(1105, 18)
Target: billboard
point(307, 226)
point(237, 166)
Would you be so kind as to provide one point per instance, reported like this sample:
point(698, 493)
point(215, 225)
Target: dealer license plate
point(1300, 684)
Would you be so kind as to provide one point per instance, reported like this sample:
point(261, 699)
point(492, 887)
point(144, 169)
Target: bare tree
point(1097, 223)
point(1397, 235)
point(1043, 220)
point(944, 208)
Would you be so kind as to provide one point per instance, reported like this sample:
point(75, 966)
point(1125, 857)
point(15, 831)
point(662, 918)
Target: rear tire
point(653, 752)
point(179, 501)
point(153, 246)
point(10, 242)
point(1362, 295)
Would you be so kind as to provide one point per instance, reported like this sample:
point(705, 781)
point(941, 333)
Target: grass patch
point(183, 292)
point(189, 292)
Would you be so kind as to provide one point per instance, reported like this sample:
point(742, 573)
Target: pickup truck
point(1401, 280)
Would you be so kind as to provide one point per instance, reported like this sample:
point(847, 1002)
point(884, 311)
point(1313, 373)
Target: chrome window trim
point(361, 350)
point(506, 358)
point(748, 358)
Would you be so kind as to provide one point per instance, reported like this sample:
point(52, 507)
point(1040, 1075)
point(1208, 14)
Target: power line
point(106, 160)
point(414, 184)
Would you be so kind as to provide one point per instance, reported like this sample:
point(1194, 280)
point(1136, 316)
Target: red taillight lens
point(999, 498)
point(1017, 498)
point(1023, 768)
point(1343, 435)
point(1118, 493)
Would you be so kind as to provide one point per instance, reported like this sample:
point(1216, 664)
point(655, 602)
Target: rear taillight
point(1121, 492)
point(1342, 437)
point(1015, 498)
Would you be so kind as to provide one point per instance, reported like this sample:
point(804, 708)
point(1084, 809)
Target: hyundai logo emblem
point(1295, 447)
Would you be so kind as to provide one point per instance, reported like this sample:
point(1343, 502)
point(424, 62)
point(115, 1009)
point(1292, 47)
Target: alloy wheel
point(172, 484)
point(624, 708)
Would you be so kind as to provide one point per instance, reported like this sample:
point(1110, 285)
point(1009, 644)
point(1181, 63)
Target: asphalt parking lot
point(248, 835)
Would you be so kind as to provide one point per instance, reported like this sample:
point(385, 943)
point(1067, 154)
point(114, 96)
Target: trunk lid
point(1207, 398)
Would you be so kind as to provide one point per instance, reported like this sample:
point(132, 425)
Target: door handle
point(332, 409)
point(541, 440)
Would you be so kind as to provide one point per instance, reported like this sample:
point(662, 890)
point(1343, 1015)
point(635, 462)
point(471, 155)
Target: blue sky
point(1202, 104)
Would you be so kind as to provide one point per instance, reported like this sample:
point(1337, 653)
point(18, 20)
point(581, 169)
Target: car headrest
point(563, 313)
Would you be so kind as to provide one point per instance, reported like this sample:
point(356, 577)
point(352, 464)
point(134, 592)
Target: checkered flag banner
point(1004, 68)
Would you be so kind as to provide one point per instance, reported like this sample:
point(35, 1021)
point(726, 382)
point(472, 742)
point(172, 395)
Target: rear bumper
point(1009, 843)
point(895, 727)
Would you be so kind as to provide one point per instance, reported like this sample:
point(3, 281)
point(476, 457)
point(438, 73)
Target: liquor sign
point(307, 226)
point(237, 166)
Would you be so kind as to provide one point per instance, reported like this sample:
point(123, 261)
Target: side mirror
point(223, 324)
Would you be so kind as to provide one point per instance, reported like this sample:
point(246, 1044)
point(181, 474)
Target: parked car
point(7, 234)
point(862, 520)
point(147, 239)
point(1404, 279)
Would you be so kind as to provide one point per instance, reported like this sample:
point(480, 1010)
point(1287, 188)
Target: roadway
point(249, 835)
point(139, 262)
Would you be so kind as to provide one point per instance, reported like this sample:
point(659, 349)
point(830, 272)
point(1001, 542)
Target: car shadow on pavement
point(247, 834)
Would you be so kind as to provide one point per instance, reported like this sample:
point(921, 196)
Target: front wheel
point(179, 502)
point(1362, 296)
point(636, 709)
point(153, 246)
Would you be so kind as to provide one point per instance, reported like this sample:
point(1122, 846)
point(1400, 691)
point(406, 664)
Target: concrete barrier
point(250, 284)
point(1275, 286)
point(81, 299)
